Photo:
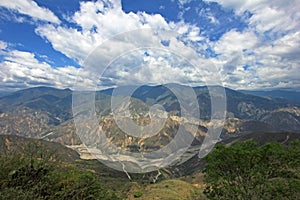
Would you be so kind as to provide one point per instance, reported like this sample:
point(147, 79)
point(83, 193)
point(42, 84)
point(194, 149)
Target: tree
point(246, 170)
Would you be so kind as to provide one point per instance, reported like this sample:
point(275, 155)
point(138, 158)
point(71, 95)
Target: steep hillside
point(46, 113)
point(12, 144)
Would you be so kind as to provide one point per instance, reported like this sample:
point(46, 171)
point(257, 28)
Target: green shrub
point(137, 193)
point(32, 175)
point(248, 171)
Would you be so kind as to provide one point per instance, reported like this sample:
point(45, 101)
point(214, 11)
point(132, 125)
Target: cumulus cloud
point(272, 16)
point(234, 41)
point(100, 23)
point(20, 69)
point(23, 69)
point(156, 66)
point(243, 59)
point(30, 8)
point(3, 45)
point(286, 47)
point(248, 62)
point(265, 55)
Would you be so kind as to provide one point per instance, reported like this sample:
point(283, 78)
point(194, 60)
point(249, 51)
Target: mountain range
point(46, 113)
point(293, 96)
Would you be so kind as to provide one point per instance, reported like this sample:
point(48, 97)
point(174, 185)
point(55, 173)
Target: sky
point(250, 44)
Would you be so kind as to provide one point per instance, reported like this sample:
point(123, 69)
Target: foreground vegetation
point(36, 169)
point(246, 170)
point(242, 170)
point(38, 174)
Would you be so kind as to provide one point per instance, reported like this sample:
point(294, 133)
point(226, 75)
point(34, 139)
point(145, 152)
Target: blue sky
point(251, 44)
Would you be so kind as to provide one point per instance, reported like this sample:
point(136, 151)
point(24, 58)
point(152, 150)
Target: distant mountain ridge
point(4, 93)
point(292, 96)
point(46, 113)
point(236, 101)
point(54, 101)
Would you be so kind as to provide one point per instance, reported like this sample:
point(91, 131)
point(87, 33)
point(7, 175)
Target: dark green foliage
point(36, 174)
point(248, 171)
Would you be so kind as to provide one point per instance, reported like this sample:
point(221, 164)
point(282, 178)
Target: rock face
point(249, 110)
point(46, 113)
point(25, 122)
point(285, 119)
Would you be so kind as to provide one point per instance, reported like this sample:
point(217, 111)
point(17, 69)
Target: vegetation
point(137, 193)
point(241, 170)
point(172, 189)
point(246, 170)
point(37, 174)
point(37, 169)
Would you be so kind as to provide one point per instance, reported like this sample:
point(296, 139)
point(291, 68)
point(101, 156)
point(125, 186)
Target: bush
point(248, 171)
point(32, 175)
point(137, 193)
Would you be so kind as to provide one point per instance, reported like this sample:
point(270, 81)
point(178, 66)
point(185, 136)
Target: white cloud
point(11, 16)
point(212, 19)
point(69, 41)
point(183, 2)
point(266, 54)
point(263, 55)
point(234, 51)
point(99, 23)
point(30, 8)
point(21, 69)
point(244, 58)
point(248, 62)
point(287, 48)
point(157, 67)
point(274, 20)
point(255, 5)
point(194, 34)
point(234, 41)
point(3, 45)
point(273, 16)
